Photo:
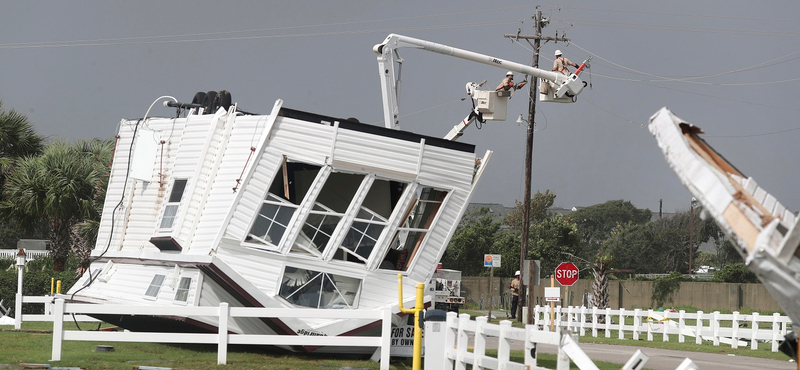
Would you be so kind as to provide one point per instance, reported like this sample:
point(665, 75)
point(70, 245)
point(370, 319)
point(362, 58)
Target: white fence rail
point(735, 329)
point(30, 254)
point(446, 345)
point(222, 338)
point(47, 316)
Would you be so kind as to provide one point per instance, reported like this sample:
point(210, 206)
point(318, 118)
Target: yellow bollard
point(52, 284)
point(58, 287)
point(416, 363)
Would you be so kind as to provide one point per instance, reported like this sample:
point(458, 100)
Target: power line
point(115, 41)
point(710, 136)
point(315, 34)
point(669, 14)
point(684, 79)
point(754, 135)
point(683, 28)
point(612, 113)
point(423, 110)
point(704, 83)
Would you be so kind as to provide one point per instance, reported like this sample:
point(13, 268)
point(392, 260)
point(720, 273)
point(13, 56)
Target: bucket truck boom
point(565, 87)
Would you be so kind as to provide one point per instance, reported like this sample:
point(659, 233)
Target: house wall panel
point(252, 195)
point(444, 226)
point(129, 282)
point(446, 167)
point(301, 141)
point(257, 267)
point(204, 160)
point(235, 156)
point(379, 152)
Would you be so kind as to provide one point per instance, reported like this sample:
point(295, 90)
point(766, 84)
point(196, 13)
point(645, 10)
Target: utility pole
point(691, 230)
point(539, 23)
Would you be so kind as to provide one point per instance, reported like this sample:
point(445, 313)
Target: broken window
point(308, 288)
point(416, 223)
point(155, 286)
point(288, 188)
point(330, 206)
point(173, 203)
point(371, 219)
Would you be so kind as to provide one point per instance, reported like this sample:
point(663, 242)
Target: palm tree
point(17, 140)
point(85, 232)
point(63, 185)
point(600, 269)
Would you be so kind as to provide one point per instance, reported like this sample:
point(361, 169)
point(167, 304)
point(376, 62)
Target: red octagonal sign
point(566, 273)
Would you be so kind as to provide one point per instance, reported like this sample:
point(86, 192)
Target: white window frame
point(172, 205)
point(180, 289)
point(324, 212)
point(279, 201)
point(272, 200)
point(156, 286)
point(375, 219)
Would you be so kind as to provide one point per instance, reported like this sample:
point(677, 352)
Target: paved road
point(663, 359)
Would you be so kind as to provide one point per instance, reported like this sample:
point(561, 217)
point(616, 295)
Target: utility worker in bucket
point(561, 63)
point(508, 83)
point(514, 295)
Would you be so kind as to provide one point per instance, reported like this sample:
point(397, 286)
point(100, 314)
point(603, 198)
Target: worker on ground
point(514, 295)
point(561, 63)
point(508, 83)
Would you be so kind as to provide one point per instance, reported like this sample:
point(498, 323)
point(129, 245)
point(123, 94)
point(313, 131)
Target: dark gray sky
point(75, 68)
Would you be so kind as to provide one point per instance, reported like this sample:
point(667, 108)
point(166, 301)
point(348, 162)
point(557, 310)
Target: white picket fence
point(713, 326)
point(222, 338)
point(47, 316)
point(30, 254)
point(447, 345)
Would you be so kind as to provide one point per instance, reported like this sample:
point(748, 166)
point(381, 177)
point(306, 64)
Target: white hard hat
point(509, 73)
point(516, 273)
point(558, 52)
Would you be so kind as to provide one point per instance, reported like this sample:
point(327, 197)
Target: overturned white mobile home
point(289, 209)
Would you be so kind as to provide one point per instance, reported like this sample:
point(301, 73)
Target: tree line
point(613, 236)
point(51, 190)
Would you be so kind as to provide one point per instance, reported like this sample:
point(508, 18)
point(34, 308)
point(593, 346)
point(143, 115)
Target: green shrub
point(735, 273)
point(663, 288)
point(37, 278)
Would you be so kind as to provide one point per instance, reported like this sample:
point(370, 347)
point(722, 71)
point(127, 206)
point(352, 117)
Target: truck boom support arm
point(390, 82)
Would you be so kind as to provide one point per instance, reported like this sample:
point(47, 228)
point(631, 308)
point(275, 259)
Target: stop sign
point(566, 273)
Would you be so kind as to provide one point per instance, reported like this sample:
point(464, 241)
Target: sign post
point(566, 274)
point(491, 261)
point(552, 295)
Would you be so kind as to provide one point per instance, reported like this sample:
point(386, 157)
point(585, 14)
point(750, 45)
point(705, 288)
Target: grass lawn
point(34, 344)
